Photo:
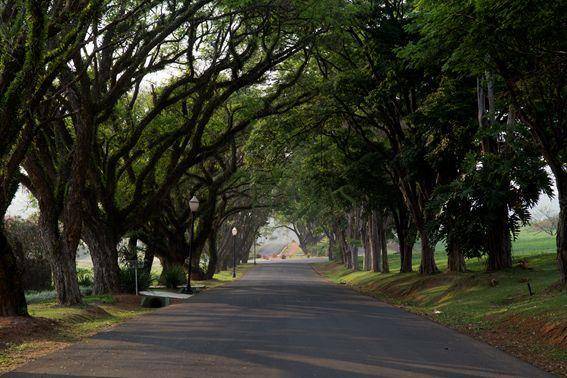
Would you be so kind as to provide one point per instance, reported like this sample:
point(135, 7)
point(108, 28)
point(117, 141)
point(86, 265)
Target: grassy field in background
point(495, 307)
point(528, 243)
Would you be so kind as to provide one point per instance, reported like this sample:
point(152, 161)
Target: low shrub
point(128, 281)
point(85, 277)
point(36, 274)
point(173, 277)
point(29, 247)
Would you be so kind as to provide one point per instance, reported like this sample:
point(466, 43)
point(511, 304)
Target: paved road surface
point(281, 320)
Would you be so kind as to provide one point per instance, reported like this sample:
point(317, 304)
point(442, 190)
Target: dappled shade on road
point(281, 319)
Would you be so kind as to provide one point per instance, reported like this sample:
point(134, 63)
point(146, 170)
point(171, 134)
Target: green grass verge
point(479, 303)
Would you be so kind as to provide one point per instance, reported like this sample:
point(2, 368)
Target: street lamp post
point(234, 232)
point(193, 206)
point(254, 248)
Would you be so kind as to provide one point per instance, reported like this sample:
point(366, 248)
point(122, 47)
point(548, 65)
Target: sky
point(22, 206)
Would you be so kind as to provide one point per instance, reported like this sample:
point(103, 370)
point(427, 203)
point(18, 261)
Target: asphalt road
point(280, 320)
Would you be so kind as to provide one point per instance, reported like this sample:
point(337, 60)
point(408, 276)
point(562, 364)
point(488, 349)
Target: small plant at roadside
point(128, 280)
point(85, 277)
point(173, 277)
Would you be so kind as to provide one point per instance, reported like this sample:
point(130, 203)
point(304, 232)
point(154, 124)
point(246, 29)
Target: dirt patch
point(127, 301)
point(528, 338)
point(18, 329)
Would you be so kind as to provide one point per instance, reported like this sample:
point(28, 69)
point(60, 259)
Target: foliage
point(174, 276)
point(127, 277)
point(30, 246)
point(85, 277)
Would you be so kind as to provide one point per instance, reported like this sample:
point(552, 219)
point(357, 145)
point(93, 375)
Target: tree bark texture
point(63, 261)
point(375, 245)
point(102, 246)
point(427, 265)
point(455, 259)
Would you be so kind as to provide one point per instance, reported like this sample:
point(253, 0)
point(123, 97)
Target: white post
point(136, 275)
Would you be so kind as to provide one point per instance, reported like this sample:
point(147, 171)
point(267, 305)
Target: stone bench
point(156, 299)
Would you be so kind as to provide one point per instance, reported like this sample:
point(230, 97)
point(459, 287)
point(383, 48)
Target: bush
point(85, 277)
point(36, 275)
point(128, 282)
point(173, 277)
point(29, 246)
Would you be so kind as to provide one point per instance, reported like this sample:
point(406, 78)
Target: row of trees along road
point(357, 120)
point(434, 121)
point(112, 112)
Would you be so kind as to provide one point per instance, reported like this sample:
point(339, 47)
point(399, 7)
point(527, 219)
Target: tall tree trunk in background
point(149, 255)
point(354, 256)
point(561, 237)
point(12, 298)
point(132, 249)
point(103, 248)
point(330, 246)
point(375, 244)
point(415, 201)
point(344, 248)
point(367, 248)
point(383, 244)
point(455, 258)
point(406, 240)
point(213, 256)
point(62, 260)
point(498, 243)
point(427, 265)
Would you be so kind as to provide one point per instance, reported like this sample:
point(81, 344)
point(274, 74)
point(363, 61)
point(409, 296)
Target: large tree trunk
point(132, 249)
point(562, 228)
point(12, 298)
point(354, 256)
point(498, 239)
point(383, 244)
point(406, 239)
point(455, 259)
point(427, 265)
point(63, 262)
point(367, 263)
point(148, 260)
point(213, 256)
point(343, 247)
point(375, 245)
point(102, 246)
point(499, 243)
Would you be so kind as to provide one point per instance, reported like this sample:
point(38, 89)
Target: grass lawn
point(495, 307)
point(52, 327)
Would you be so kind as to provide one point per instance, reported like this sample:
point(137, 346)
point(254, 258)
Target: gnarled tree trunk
point(427, 265)
point(499, 243)
point(213, 256)
point(406, 241)
point(62, 259)
point(561, 237)
point(383, 244)
point(102, 246)
point(375, 245)
point(455, 259)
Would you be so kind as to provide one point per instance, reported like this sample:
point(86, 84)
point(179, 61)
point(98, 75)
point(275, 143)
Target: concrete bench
point(156, 299)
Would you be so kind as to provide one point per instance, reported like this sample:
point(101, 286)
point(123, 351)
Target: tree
point(41, 39)
point(522, 44)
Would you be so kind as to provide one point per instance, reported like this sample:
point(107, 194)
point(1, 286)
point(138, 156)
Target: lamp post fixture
point(234, 232)
point(254, 247)
point(193, 206)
